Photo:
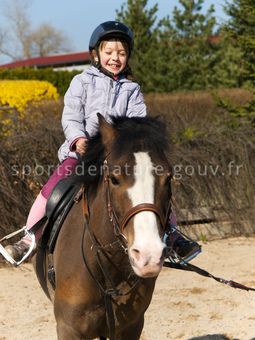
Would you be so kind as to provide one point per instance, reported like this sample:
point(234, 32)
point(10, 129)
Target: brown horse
point(110, 250)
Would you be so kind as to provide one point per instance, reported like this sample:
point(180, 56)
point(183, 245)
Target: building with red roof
point(69, 61)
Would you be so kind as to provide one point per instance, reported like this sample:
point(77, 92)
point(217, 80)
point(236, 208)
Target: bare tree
point(2, 39)
point(18, 40)
point(46, 40)
point(15, 43)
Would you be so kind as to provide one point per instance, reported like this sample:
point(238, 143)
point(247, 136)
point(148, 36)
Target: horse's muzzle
point(146, 264)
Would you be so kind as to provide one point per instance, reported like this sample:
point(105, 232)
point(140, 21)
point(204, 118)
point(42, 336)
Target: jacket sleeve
point(136, 104)
point(73, 117)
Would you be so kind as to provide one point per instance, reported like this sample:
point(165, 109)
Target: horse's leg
point(66, 332)
point(133, 331)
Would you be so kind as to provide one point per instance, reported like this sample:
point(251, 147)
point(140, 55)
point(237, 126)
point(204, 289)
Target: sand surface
point(185, 305)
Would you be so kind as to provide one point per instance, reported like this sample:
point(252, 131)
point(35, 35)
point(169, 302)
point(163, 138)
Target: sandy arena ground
point(185, 305)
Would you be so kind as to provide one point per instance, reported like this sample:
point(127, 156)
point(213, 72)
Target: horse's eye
point(114, 180)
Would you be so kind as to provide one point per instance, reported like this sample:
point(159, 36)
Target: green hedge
point(60, 79)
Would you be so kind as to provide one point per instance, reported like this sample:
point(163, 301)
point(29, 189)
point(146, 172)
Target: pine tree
point(193, 50)
point(241, 30)
point(179, 53)
point(143, 22)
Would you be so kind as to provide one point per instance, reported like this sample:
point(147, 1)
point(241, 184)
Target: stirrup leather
point(7, 256)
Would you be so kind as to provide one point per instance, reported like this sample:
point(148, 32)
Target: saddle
point(64, 195)
point(62, 198)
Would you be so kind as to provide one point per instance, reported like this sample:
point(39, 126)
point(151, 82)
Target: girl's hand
point(81, 145)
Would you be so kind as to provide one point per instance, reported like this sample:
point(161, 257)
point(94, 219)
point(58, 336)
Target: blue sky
point(78, 18)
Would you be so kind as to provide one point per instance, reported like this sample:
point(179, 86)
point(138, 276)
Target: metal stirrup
point(7, 256)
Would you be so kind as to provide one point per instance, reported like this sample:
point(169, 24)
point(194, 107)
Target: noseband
point(120, 226)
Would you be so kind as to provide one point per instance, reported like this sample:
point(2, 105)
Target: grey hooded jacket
point(89, 93)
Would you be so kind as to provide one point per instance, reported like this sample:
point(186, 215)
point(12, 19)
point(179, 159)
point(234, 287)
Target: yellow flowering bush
point(18, 93)
point(15, 97)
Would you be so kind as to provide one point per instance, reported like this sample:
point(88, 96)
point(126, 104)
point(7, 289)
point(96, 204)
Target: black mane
point(139, 134)
point(134, 134)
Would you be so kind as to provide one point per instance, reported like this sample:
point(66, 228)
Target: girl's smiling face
point(113, 56)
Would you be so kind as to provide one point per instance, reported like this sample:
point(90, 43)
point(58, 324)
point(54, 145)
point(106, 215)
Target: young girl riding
point(104, 87)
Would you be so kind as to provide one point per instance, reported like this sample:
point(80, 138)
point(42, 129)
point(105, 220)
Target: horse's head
point(137, 178)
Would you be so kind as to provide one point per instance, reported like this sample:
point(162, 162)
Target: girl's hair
point(124, 43)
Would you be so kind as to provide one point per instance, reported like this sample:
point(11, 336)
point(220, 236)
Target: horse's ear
point(108, 133)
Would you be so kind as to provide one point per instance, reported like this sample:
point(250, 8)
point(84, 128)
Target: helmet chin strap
point(106, 72)
point(97, 63)
point(110, 74)
point(102, 69)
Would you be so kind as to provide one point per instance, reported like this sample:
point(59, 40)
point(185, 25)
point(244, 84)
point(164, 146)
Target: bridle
point(110, 290)
point(119, 226)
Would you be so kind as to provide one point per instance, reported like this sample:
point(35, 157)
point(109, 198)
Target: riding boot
point(37, 211)
point(185, 248)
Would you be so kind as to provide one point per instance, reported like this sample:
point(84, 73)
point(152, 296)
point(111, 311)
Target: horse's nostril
point(136, 254)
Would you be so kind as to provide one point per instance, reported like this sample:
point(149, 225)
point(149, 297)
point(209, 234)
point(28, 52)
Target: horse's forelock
point(139, 134)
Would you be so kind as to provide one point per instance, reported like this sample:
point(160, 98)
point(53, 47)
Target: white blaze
point(146, 236)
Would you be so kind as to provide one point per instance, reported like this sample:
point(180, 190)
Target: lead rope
point(183, 265)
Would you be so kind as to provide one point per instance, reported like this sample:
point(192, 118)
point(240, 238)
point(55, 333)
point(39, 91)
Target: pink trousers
point(37, 211)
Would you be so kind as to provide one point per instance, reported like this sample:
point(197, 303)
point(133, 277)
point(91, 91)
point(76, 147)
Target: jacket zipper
point(109, 97)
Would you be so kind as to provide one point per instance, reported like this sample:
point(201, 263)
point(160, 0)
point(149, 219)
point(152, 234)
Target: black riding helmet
point(110, 29)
